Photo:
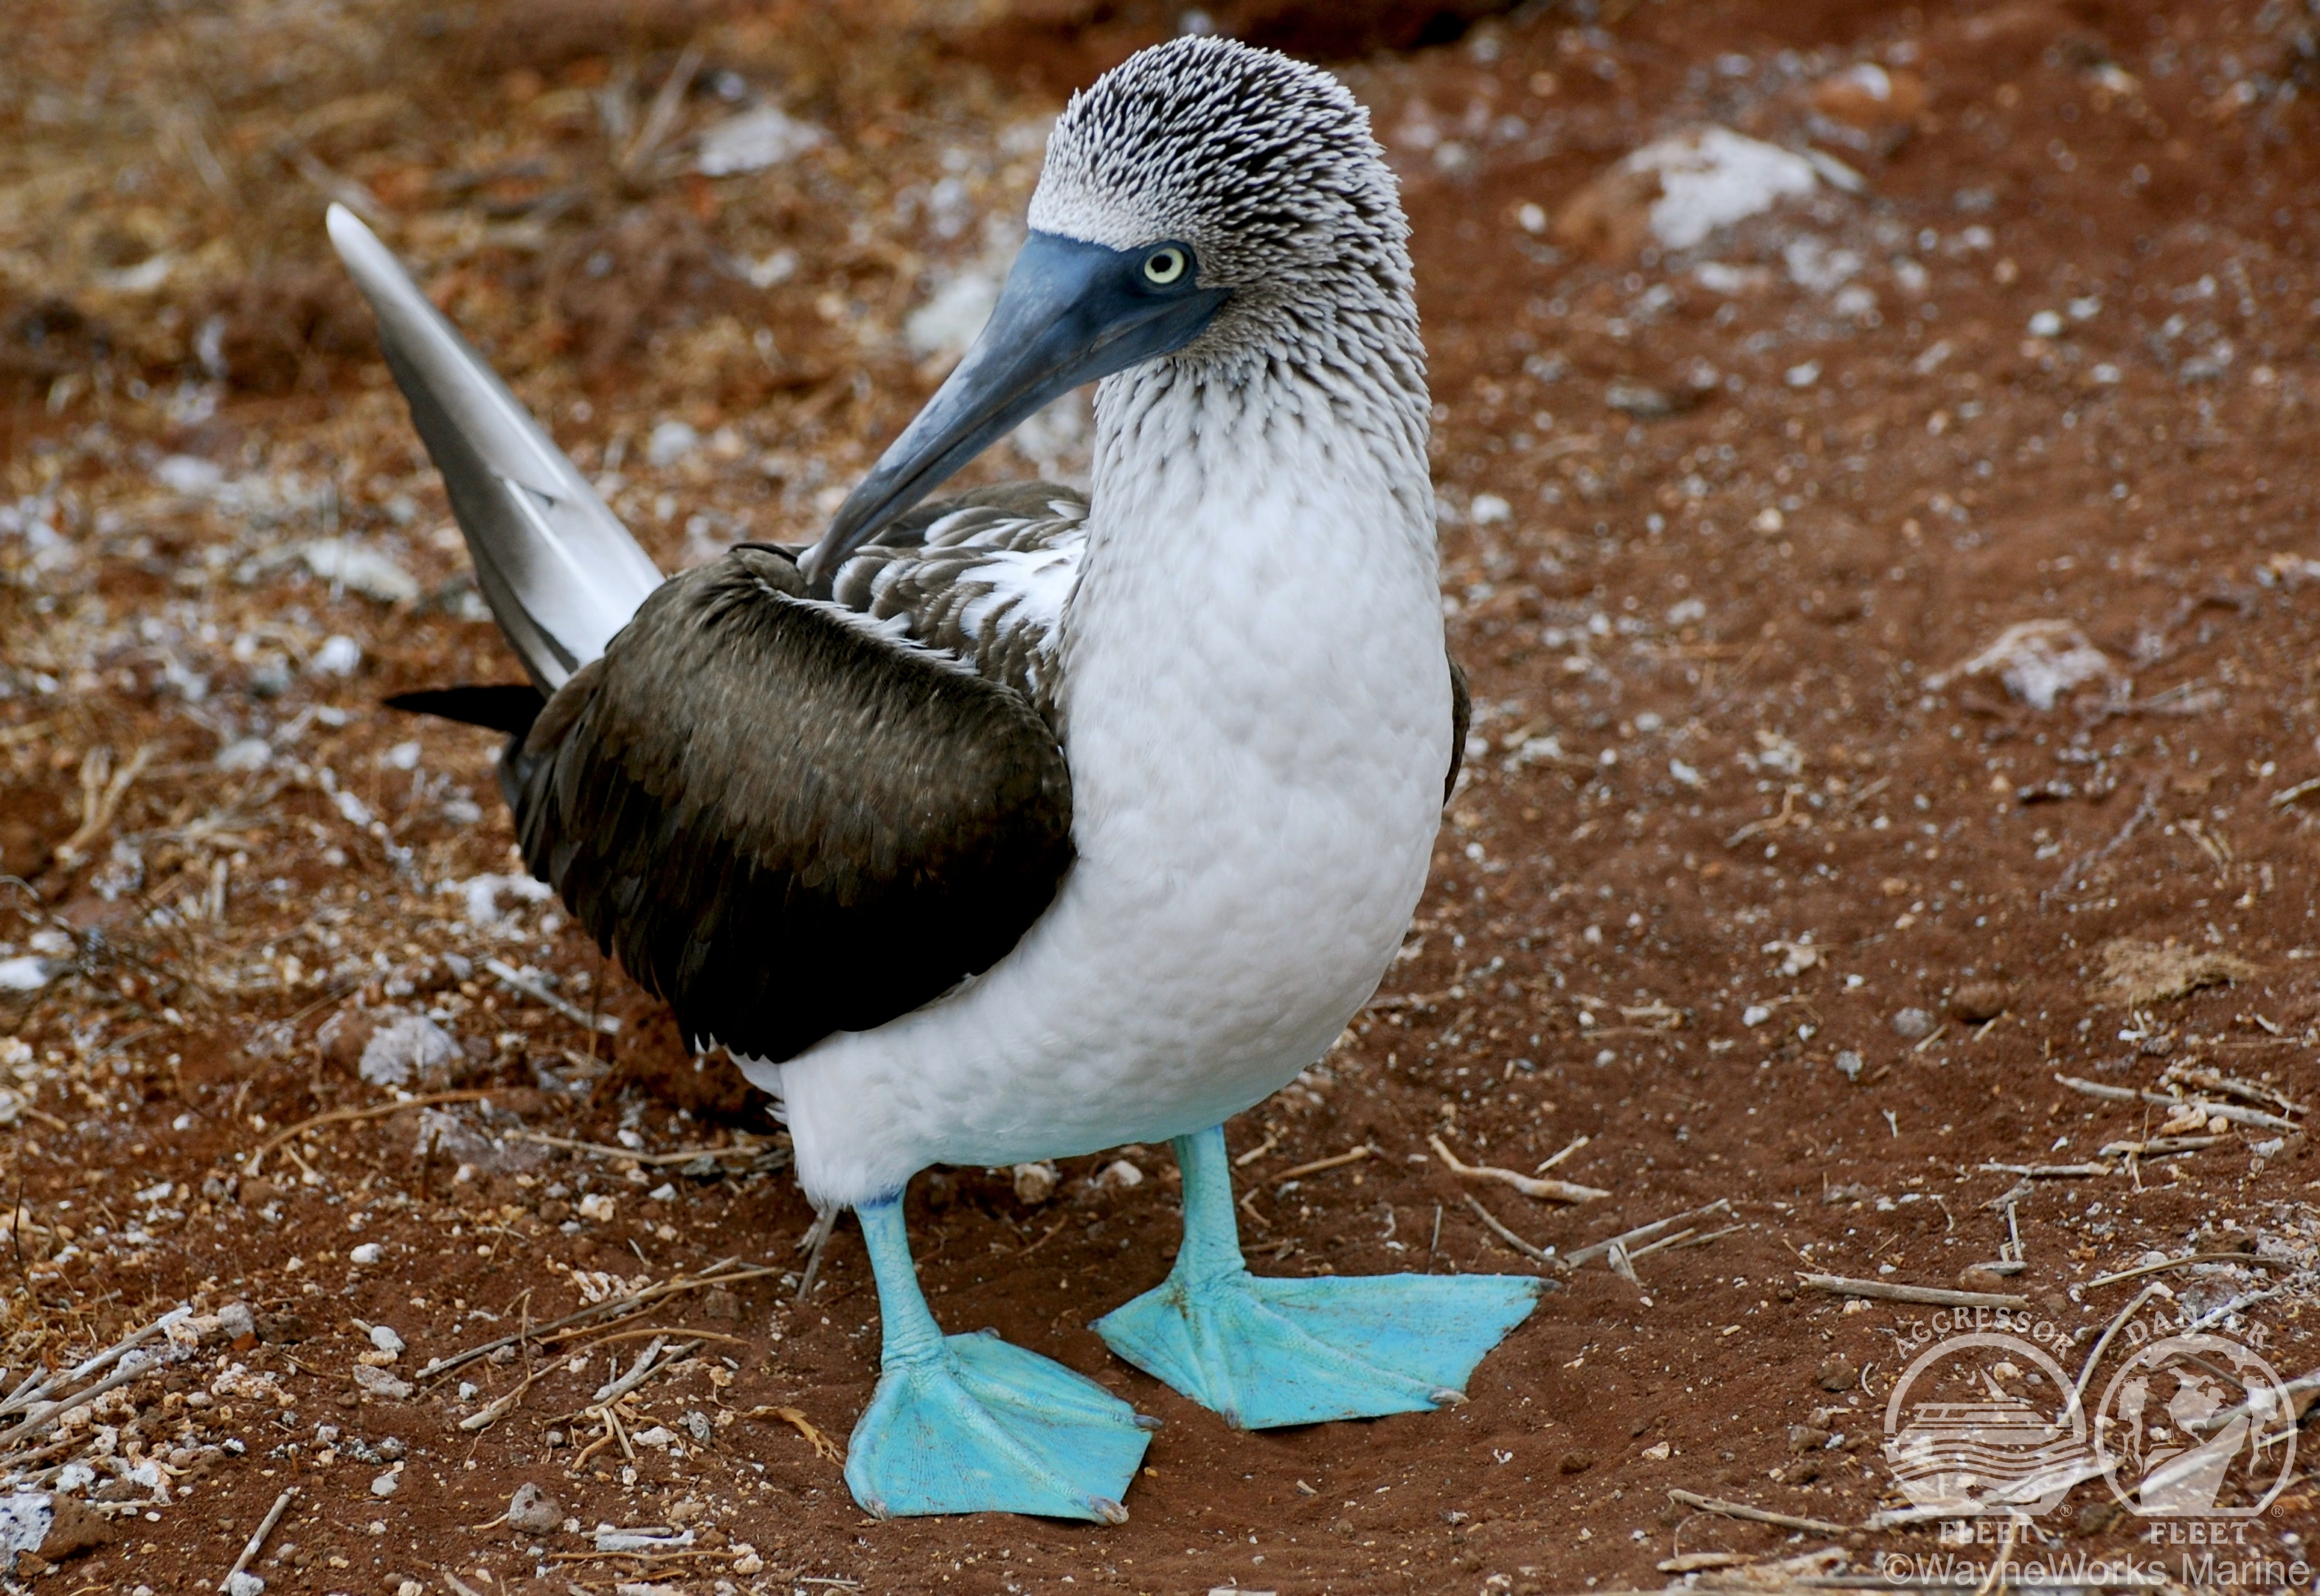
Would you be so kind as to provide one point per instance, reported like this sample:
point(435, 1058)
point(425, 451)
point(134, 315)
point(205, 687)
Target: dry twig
point(1588, 1255)
point(257, 1541)
point(1893, 1291)
point(798, 1422)
point(1335, 1161)
point(1552, 1191)
point(340, 1115)
point(1536, 1254)
point(1740, 1509)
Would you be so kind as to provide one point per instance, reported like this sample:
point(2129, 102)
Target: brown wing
point(783, 819)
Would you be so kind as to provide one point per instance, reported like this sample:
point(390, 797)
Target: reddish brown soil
point(1713, 653)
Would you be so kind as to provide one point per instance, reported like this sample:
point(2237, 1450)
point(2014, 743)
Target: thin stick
point(818, 1239)
point(515, 980)
point(1046, 1237)
point(1682, 1239)
point(1271, 1141)
point(2049, 1172)
point(1528, 1185)
point(2166, 1264)
point(340, 1115)
point(38, 1385)
point(612, 1308)
point(1740, 1509)
point(1338, 1161)
point(2231, 1113)
point(41, 1421)
point(598, 1149)
point(2143, 810)
point(2087, 1370)
point(1588, 1255)
point(1560, 1157)
point(1535, 1255)
point(1940, 1296)
point(257, 1536)
point(498, 1409)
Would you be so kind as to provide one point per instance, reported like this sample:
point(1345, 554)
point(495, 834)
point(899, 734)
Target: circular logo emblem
point(1986, 1423)
point(2195, 1427)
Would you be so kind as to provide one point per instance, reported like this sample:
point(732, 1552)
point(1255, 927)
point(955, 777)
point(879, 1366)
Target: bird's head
point(1203, 200)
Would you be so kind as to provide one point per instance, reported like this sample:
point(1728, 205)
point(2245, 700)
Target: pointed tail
point(558, 569)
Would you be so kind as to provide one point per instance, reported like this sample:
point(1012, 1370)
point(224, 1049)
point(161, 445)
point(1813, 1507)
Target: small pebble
point(386, 1485)
point(1035, 1182)
point(1849, 1065)
point(383, 1338)
point(1978, 1001)
point(1838, 1373)
point(532, 1508)
point(1913, 1024)
point(367, 1253)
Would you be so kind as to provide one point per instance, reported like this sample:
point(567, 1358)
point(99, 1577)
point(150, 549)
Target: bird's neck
point(1260, 541)
point(1214, 474)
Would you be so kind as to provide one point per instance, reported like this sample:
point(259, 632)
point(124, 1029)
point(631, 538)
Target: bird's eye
point(1164, 265)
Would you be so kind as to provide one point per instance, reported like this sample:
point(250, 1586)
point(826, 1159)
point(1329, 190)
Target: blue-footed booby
point(1026, 823)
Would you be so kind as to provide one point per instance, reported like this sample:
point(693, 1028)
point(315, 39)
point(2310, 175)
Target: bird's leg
point(1266, 1352)
point(968, 1424)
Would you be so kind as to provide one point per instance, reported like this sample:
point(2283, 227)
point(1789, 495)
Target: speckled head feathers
point(1265, 165)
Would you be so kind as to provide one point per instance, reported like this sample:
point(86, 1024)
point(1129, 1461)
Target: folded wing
point(786, 816)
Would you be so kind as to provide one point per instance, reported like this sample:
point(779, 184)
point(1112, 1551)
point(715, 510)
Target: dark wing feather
point(1462, 721)
point(783, 821)
point(982, 575)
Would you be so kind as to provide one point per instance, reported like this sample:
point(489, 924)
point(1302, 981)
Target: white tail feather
point(559, 571)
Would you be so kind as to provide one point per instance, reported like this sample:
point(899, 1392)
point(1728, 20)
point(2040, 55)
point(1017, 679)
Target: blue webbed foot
point(1265, 1352)
point(970, 1424)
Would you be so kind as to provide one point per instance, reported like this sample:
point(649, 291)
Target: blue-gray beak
point(1071, 312)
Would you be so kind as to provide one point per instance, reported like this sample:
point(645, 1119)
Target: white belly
point(1259, 724)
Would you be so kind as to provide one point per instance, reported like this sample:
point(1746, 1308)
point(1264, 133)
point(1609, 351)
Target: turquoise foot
point(969, 1424)
point(986, 1427)
point(1265, 1353)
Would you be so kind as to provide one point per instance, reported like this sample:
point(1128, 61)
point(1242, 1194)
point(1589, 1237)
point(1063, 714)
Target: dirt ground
point(1767, 886)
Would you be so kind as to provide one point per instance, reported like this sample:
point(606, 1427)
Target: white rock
point(25, 974)
point(339, 656)
point(359, 568)
point(244, 754)
point(1119, 1175)
point(482, 894)
point(1488, 509)
point(659, 1436)
point(244, 1583)
point(189, 474)
point(383, 1338)
point(1711, 178)
point(378, 1383)
point(596, 1206)
point(367, 1254)
point(413, 1046)
point(533, 1509)
point(670, 442)
point(387, 1483)
point(1035, 1182)
point(2038, 661)
point(753, 141)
